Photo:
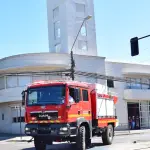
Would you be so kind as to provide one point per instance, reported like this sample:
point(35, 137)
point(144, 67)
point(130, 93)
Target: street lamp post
point(72, 59)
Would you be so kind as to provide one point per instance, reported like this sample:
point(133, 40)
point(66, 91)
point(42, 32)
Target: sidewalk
point(128, 132)
point(18, 138)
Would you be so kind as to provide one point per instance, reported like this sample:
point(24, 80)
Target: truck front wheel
point(81, 139)
point(39, 144)
point(107, 136)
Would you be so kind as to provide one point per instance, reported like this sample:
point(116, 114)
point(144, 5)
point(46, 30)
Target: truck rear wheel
point(39, 144)
point(107, 136)
point(81, 139)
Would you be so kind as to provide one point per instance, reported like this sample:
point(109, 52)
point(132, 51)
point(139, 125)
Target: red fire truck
point(68, 111)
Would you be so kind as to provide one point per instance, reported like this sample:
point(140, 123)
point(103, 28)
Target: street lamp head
point(88, 17)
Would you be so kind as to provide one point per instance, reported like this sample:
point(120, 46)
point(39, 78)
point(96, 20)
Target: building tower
point(64, 20)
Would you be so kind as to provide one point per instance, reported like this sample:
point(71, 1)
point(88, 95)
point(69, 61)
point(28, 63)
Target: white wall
point(11, 94)
point(115, 69)
point(7, 125)
point(33, 62)
point(69, 27)
point(118, 69)
point(137, 94)
point(42, 62)
point(51, 5)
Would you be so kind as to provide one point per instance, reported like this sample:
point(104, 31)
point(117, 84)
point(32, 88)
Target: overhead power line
point(104, 77)
point(67, 72)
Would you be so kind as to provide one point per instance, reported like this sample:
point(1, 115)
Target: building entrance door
point(133, 115)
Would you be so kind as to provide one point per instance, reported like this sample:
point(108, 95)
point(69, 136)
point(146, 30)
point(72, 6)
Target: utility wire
point(67, 73)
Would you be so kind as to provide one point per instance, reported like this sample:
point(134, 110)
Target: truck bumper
point(53, 131)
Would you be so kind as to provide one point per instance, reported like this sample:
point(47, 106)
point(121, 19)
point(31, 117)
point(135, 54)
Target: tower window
point(82, 45)
point(57, 30)
point(80, 8)
point(56, 13)
point(57, 48)
point(83, 30)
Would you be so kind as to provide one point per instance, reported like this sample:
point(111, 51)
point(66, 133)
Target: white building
point(18, 71)
point(64, 20)
point(134, 97)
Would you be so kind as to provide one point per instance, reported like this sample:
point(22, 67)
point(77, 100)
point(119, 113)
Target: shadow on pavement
point(28, 149)
point(96, 145)
point(66, 146)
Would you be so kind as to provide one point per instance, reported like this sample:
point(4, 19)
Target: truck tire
point(88, 143)
point(39, 145)
point(81, 139)
point(107, 136)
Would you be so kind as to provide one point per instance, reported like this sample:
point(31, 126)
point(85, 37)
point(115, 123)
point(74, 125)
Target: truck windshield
point(46, 95)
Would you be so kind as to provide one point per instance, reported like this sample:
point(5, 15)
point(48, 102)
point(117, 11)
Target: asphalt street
point(126, 142)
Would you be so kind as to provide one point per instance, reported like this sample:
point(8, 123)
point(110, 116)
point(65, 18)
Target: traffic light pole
point(135, 45)
point(143, 37)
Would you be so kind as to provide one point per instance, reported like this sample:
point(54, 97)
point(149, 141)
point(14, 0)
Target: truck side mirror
point(23, 98)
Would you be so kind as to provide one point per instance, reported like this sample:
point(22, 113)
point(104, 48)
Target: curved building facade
point(18, 71)
point(134, 95)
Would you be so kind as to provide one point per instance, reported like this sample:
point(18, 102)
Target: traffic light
point(134, 46)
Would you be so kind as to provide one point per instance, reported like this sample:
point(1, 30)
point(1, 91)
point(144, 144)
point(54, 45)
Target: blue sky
point(23, 28)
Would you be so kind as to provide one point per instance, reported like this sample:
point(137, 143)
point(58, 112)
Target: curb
point(120, 134)
point(128, 134)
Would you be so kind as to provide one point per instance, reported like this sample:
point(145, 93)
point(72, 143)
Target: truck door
point(86, 104)
point(75, 110)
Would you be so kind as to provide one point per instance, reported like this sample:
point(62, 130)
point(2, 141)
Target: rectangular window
point(2, 83)
point(2, 116)
point(110, 83)
point(57, 48)
point(80, 8)
point(82, 45)
point(57, 33)
point(145, 84)
point(18, 119)
point(38, 78)
point(24, 80)
point(128, 83)
point(91, 80)
point(85, 95)
point(56, 13)
point(83, 30)
point(55, 77)
point(75, 94)
point(77, 25)
point(11, 81)
point(138, 84)
point(49, 95)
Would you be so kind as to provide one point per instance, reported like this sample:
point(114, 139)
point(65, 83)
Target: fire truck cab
point(68, 111)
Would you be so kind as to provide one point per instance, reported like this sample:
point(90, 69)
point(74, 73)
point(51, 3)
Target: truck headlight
point(27, 129)
point(64, 129)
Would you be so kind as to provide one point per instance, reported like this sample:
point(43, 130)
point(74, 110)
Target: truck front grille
point(45, 115)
